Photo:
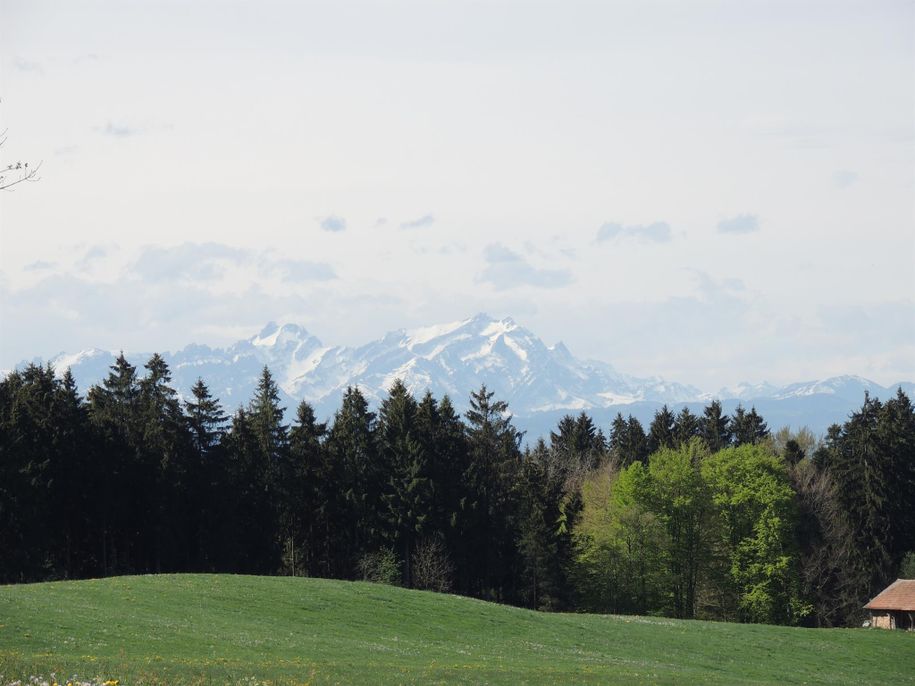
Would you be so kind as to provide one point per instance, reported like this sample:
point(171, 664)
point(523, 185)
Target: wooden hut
point(894, 607)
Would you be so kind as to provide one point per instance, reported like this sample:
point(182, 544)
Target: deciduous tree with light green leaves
point(754, 555)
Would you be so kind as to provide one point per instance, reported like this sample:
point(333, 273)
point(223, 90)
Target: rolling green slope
point(200, 629)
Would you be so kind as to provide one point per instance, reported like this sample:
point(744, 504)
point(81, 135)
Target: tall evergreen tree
point(115, 412)
point(661, 433)
point(747, 428)
point(494, 458)
point(311, 515)
point(714, 427)
point(896, 436)
point(407, 492)
point(577, 443)
point(265, 416)
point(544, 535)
point(441, 432)
point(353, 451)
point(686, 427)
point(206, 419)
point(165, 454)
point(862, 470)
point(628, 442)
point(208, 480)
point(249, 532)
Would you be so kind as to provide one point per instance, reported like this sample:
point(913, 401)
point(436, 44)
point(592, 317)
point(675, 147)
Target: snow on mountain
point(456, 358)
point(842, 386)
point(748, 391)
point(453, 359)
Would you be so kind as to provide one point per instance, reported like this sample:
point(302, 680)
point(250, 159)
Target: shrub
point(380, 567)
point(432, 570)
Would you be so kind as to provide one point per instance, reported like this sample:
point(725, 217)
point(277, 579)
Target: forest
point(696, 516)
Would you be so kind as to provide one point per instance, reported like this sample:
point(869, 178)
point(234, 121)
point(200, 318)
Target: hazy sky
point(711, 192)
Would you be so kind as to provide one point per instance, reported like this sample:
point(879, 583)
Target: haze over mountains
point(541, 383)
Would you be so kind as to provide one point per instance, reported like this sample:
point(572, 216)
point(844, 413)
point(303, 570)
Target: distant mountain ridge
point(538, 381)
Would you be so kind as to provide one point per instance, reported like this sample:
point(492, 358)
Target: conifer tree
point(265, 416)
point(544, 536)
point(75, 477)
point(661, 432)
point(249, 533)
point(26, 463)
point(747, 427)
point(577, 443)
point(628, 442)
point(165, 456)
point(206, 419)
point(311, 516)
point(714, 427)
point(494, 458)
point(686, 427)
point(208, 481)
point(115, 412)
point(407, 494)
point(353, 451)
point(896, 438)
point(441, 433)
point(861, 470)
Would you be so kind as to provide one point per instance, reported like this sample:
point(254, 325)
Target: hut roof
point(899, 595)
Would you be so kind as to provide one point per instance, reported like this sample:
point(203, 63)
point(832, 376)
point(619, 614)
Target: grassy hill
point(200, 629)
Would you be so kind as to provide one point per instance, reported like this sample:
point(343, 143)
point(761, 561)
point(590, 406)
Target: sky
point(711, 192)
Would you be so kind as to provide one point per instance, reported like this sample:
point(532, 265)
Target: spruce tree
point(544, 542)
point(747, 427)
point(406, 498)
point(311, 484)
point(577, 443)
point(494, 458)
point(441, 433)
point(208, 481)
point(206, 419)
point(266, 421)
point(686, 427)
point(628, 442)
point(116, 415)
point(661, 432)
point(714, 427)
point(353, 451)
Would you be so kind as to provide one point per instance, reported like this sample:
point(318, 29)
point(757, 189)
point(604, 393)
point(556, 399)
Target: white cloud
point(332, 223)
point(418, 223)
point(742, 223)
point(658, 232)
point(507, 269)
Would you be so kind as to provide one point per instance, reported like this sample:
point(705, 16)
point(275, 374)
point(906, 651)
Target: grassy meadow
point(222, 629)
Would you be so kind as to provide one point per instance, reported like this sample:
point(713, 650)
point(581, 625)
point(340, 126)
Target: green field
point(196, 629)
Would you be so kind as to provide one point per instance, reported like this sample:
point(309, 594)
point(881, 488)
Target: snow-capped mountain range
point(539, 382)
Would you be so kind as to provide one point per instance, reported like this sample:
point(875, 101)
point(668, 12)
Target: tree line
point(709, 515)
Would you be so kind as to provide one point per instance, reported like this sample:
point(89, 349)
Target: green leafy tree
point(677, 494)
point(758, 579)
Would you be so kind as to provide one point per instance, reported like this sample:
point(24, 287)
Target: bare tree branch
point(17, 172)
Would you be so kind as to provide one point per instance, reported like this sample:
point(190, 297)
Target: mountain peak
point(273, 334)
